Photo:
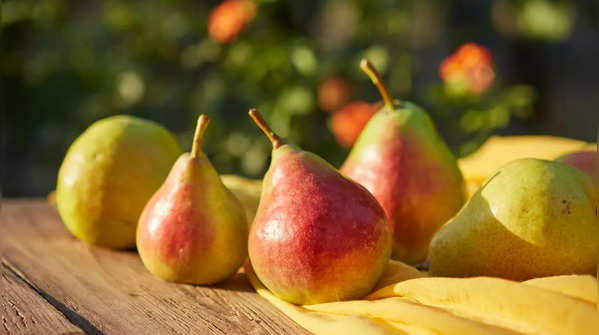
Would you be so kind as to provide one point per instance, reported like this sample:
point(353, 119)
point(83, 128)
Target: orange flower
point(348, 122)
point(229, 18)
point(334, 93)
point(471, 63)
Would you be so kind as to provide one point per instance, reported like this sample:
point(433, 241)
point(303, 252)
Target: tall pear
point(193, 230)
point(531, 218)
point(317, 236)
point(403, 161)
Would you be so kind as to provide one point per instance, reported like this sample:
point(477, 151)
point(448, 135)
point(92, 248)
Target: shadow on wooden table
point(111, 292)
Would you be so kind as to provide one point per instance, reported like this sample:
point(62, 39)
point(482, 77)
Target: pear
point(403, 161)
point(317, 236)
point(194, 229)
point(532, 218)
point(246, 190)
point(109, 174)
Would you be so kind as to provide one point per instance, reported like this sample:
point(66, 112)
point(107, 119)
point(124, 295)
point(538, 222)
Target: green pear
point(108, 175)
point(246, 190)
point(401, 159)
point(531, 218)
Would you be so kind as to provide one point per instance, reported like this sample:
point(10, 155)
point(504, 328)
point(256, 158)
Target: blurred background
point(478, 67)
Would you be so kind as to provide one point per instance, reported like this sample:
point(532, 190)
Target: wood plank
point(24, 311)
point(111, 292)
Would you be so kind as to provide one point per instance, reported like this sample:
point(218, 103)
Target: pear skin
point(317, 236)
point(194, 229)
point(532, 218)
point(109, 174)
point(401, 159)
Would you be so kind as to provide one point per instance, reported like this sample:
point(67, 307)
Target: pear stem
point(203, 122)
point(376, 78)
point(272, 136)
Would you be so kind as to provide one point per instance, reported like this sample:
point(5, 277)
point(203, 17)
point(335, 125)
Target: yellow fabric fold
point(407, 301)
point(499, 150)
point(582, 287)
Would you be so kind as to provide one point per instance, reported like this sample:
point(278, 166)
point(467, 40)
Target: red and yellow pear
point(317, 236)
point(401, 159)
point(193, 230)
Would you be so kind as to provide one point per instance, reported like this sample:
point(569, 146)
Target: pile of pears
point(317, 234)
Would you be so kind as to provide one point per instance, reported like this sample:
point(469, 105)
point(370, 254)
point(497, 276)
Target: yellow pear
point(531, 218)
point(108, 175)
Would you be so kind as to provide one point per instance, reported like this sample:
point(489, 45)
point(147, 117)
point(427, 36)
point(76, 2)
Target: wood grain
point(106, 291)
point(24, 311)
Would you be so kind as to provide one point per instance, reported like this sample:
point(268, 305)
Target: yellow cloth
point(500, 150)
point(406, 301)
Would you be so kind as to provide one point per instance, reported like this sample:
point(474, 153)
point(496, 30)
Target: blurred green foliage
point(70, 63)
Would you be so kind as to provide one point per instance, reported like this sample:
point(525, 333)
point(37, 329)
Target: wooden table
point(52, 283)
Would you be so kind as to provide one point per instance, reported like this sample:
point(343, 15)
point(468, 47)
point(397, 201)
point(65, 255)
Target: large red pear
point(317, 236)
